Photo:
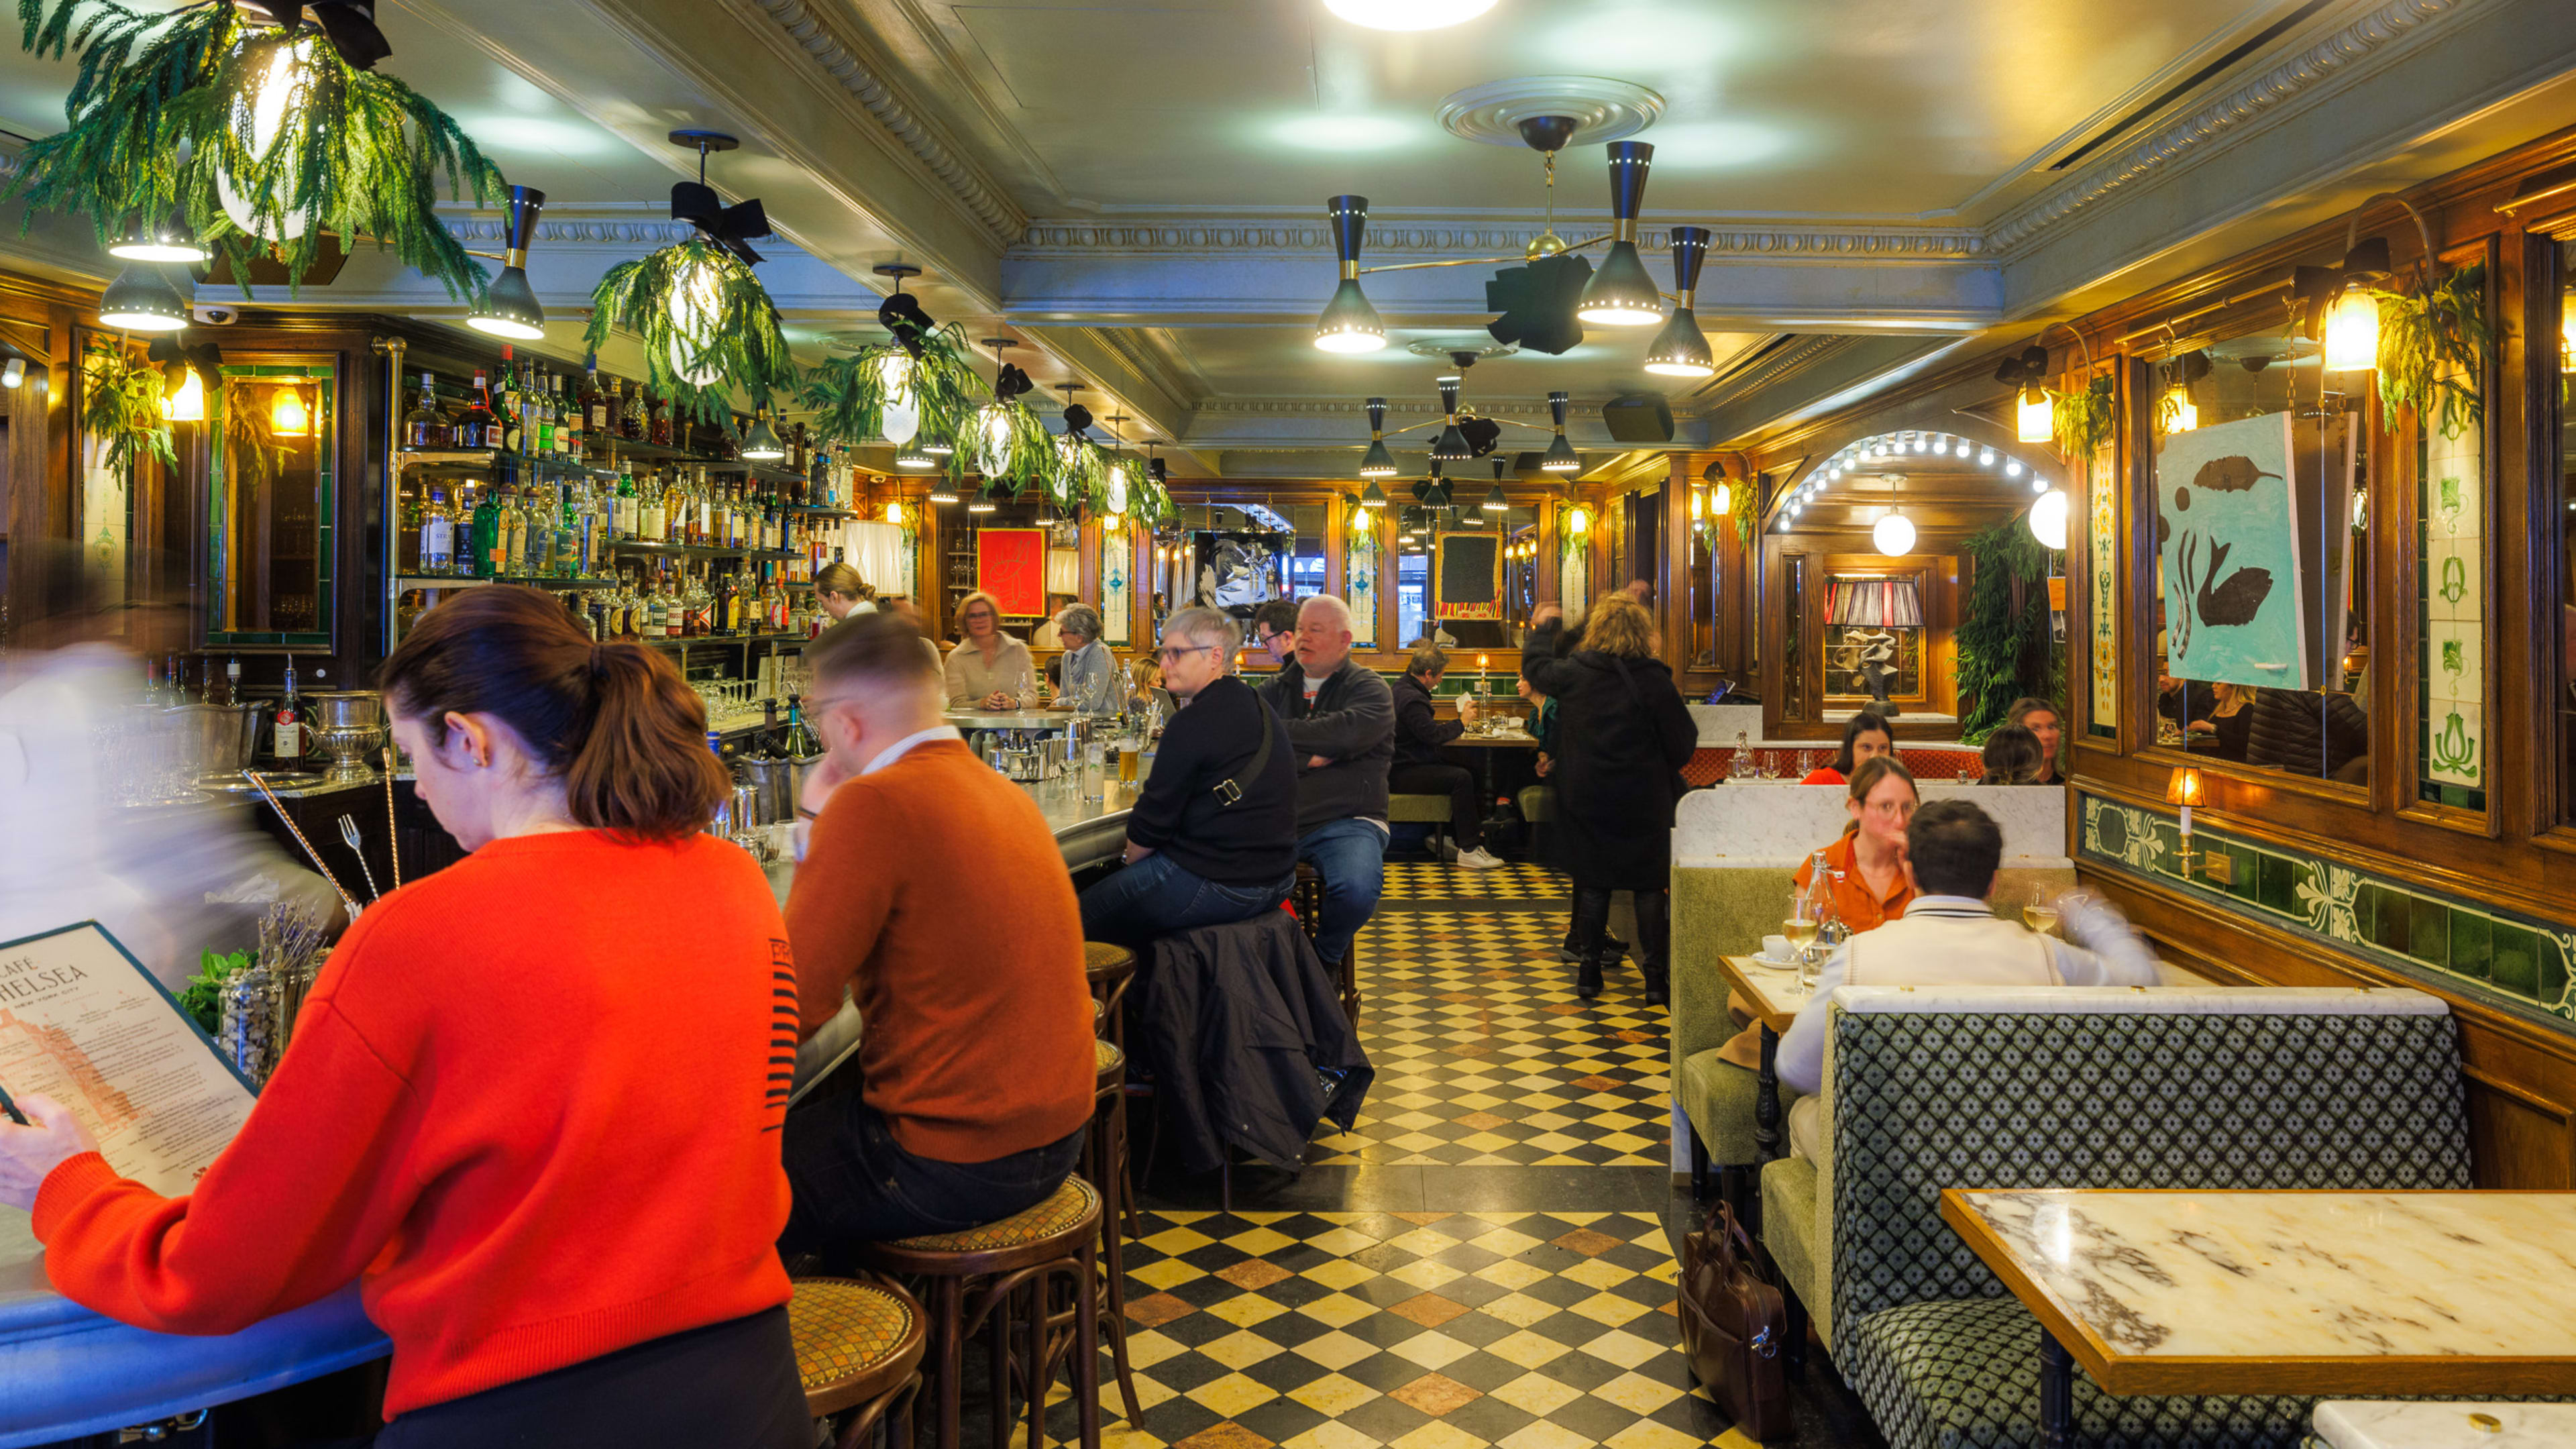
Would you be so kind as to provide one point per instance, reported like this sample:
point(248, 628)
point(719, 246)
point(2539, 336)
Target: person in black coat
point(1623, 736)
point(1422, 764)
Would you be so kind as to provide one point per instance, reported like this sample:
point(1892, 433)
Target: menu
point(82, 1022)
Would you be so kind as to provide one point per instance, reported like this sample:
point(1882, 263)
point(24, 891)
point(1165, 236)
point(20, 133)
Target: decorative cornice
point(2328, 59)
point(1796, 357)
point(902, 119)
point(1073, 237)
point(1315, 407)
point(592, 231)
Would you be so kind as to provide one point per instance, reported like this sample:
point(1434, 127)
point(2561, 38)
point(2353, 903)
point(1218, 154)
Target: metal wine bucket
point(777, 783)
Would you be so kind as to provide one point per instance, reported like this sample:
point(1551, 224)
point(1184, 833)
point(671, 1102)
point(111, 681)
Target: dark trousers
point(1155, 897)
point(853, 1183)
point(729, 1384)
point(1466, 801)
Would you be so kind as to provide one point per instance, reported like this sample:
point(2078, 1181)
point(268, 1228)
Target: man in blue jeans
point(1341, 721)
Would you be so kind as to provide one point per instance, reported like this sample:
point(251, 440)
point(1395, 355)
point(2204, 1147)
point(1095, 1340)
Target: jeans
point(1351, 857)
point(853, 1183)
point(1156, 896)
point(1466, 800)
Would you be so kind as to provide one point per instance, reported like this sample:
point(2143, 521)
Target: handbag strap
point(1229, 790)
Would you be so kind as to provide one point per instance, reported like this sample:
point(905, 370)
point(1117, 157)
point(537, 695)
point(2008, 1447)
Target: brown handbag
point(1734, 1327)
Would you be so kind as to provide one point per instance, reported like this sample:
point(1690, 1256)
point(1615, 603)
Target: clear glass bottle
point(425, 427)
point(622, 527)
point(437, 535)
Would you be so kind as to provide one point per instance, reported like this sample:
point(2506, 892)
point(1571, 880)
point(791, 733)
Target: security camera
point(214, 314)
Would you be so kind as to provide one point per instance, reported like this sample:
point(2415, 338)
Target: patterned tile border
point(2446, 941)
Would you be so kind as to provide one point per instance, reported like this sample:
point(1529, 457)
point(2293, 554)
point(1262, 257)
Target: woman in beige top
point(988, 668)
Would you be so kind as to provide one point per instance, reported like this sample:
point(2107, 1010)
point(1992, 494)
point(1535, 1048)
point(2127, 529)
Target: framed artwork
point(1010, 564)
point(2228, 546)
point(1467, 576)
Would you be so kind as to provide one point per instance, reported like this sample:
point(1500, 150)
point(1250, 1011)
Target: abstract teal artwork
point(2228, 544)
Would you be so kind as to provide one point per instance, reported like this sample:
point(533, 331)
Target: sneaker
point(1476, 859)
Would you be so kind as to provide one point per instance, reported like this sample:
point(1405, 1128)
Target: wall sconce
point(188, 404)
point(2351, 312)
point(14, 374)
point(894, 512)
point(287, 415)
point(1578, 523)
point(2184, 790)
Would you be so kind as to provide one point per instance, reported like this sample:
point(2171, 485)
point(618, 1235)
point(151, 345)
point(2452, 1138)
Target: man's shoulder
point(1359, 678)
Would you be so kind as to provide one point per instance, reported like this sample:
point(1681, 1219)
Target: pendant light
point(1894, 533)
point(509, 307)
point(1621, 294)
point(2048, 519)
point(943, 490)
point(2178, 409)
point(934, 438)
point(1681, 349)
point(914, 458)
point(264, 118)
point(983, 499)
point(166, 240)
point(1349, 323)
point(287, 415)
point(1114, 477)
point(1495, 502)
point(761, 444)
point(1452, 444)
point(1372, 497)
point(1377, 462)
point(1561, 457)
point(141, 299)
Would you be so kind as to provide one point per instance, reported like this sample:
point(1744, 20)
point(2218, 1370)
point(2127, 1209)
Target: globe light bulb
point(695, 299)
point(1893, 534)
point(2048, 519)
point(265, 117)
point(899, 419)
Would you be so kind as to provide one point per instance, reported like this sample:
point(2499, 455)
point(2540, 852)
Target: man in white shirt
point(1950, 936)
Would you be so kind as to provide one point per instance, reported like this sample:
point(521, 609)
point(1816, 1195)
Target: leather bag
point(1734, 1327)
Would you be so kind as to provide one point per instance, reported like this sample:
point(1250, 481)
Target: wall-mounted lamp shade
point(188, 404)
point(2352, 332)
point(1621, 294)
point(2034, 425)
point(1349, 323)
point(1723, 503)
point(1873, 604)
point(1377, 462)
point(165, 240)
point(287, 415)
point(2183, 788)
point(1372, 497)
point(13, 373)
point(1451, 447)
point(1681, 349)
point(1408, 14)
point(509, 307)
point(141, 299)
point(762, 445)
point(1893, 534)
point(2048, 519)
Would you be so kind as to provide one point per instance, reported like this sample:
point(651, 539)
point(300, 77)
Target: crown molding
point(1314, 407)
point(1502, 236)
point(1801, 354)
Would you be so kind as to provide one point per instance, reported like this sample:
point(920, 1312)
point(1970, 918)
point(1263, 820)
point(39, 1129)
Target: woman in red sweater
point(532, 1104)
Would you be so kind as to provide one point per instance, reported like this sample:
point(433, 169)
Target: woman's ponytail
point(643, 767)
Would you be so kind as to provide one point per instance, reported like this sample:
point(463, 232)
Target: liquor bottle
point(286, 736)
point(576, 421)
point(425, 426)
point(484, 535)
point(541, 416)
point(567, 527)
point(622, 525)
point(232, 681)
point(594, 403)
point(650, 511)
point(626, 414)
point(658, 429)
point(567, 417)
point(415, 504)
point(728, 608)
point(654, 619)
point(437, 535)
point(506, 404)
point(478, 426)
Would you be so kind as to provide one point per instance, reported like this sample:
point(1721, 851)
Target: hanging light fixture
point(761, 445)
point(188, 404)
point(1349, 323)
point(1373, 497)
point(894, 511)
point(1377, 462)
point(1452, 444)
point(2352, 331)
point(2031, 417)
point(1495, 502)
point(2351, 311)
point(509, 307)
point(1681, 349)
point(913, 457)
point(2048, 519)
point(1408, 14)
point(1578, 522)
point(165, 240)
point(1561, 457)
point(983, 499)
point(264, 117)
point(1621, 294)
point(141, 299)
point(287, 415)
point(2181, 416)
point(1894, 534)
point(934, 438)
point(942, 490)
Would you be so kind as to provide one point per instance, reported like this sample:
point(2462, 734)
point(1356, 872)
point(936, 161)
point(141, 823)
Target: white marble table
point(2186, 1292)
point(2402, 1424)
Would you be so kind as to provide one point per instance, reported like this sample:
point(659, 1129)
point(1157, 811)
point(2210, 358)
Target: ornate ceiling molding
point(2368, 43)
point(1315, 407)
point(1800, 354)
point(903, 119)
point(577, 231)
point(1081, 237)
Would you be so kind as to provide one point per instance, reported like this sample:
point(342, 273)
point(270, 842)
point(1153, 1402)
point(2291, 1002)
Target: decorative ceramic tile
point(2455, 742)
point(1360, 584)
point(2453, 670)
point(2446, 941)
point(2452, 697)
point(2451, 578)
point(2102, 542)
point(1117, 604)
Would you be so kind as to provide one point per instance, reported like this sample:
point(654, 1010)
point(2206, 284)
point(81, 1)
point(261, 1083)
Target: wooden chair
point(859, 1344)
point(1036, 1273)
point(1104, 1166)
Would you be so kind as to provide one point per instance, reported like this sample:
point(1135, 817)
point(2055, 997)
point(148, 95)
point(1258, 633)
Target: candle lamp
point(2184, 790)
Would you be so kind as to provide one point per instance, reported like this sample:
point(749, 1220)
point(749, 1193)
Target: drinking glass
point(2039, 911)
point(1806, 763)
point(1968, 776)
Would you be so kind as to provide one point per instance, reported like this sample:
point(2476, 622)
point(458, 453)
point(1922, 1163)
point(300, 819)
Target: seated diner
point(1422, 766)
point(987, 668)
point(1865, 738)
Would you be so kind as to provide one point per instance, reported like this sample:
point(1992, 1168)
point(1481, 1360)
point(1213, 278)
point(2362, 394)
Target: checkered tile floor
point(1419, 878)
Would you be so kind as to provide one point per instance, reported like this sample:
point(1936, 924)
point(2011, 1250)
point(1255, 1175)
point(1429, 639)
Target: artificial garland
point(2006, 648)
point(354, 156)
point(707, 325)
point(2445, 323)
point(849, 393)
point(122, 408)
point(2082, 419)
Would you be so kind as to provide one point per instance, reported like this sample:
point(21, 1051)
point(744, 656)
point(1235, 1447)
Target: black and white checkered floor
point(1486, 1259)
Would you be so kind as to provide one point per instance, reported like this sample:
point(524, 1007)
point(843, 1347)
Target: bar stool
point(999, 1277)
point(1306, 898)
point(1104, 1166)
point(1111, 970)
point(859, 1344)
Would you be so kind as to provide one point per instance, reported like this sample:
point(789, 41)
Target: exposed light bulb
point(287, 415)
point(188, 404)
point(695, 298)
point(2048, 519)
point(899, 419)
point(2012, 467)
point(1986, 459)
point(1894, 534)
point(2031, 418)
point(2352, 332)
point(280, 99)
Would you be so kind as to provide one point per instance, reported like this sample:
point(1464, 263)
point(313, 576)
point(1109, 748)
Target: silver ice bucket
point(350, 723)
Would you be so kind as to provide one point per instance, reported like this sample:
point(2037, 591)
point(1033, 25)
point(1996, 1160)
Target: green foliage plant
point(2432, 351)
point(121, 407)
point(2083, 417)
point(736, 339)
point(2006, 647)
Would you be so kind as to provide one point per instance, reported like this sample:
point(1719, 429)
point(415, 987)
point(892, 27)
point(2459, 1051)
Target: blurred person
point(901, 607)
point(2225, 724)
point(1341, 723)
point(1213, 835)
point(460, 1123)
point(2040, 718)
point(988, 669)
point(1623, 736)
point(1274, 630)
point(1090, 684)
point(840, 592)
point(1421, 765)
point(1865, 737)
point(2010, 757)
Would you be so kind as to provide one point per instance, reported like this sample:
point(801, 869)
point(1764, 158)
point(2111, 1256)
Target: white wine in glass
point(1801, 933)
point(2040, 916)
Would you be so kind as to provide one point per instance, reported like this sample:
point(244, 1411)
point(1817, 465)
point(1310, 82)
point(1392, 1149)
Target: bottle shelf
point(691, 550)
point(725, 639)
point(468, 581)
point(766, 472)
point(812, 511)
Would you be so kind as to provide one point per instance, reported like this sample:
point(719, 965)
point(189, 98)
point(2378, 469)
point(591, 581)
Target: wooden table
point(2379, 1293)
point(1774, 997)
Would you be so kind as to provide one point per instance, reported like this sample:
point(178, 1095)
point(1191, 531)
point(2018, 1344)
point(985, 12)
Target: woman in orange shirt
point(1868, 859)
point(533, 1102)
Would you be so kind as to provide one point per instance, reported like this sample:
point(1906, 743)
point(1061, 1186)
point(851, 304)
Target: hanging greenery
point(339, 152)
point(122, 409)
point(2432, 351)
point(849, 393)
point(707, 325)
point(2006, 648)
point(1009, 443)
point(2083, 418)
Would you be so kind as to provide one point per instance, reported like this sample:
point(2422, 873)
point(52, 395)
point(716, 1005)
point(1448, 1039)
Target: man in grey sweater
point(1341, 721)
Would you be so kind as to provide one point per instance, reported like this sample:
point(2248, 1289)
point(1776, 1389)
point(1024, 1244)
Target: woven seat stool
point(1306, 897)
point(1104, 1166)
point(1030, 1283)
point(859, 1344)
point(1111, 970)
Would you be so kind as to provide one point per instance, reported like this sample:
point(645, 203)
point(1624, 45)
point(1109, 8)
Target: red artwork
point(1010, 564)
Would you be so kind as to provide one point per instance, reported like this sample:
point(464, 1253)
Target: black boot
point(1612, 948)
point(1654, 943)
point(1591, 923)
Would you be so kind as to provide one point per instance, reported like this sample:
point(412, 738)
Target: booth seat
point(1929, 1088)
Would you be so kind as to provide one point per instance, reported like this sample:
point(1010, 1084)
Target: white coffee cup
point(1776, 947)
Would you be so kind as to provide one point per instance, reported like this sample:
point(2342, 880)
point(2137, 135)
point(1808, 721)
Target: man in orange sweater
point(931, 890)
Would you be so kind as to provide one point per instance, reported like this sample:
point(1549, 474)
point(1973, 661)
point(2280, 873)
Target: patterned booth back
point(2199, 1089)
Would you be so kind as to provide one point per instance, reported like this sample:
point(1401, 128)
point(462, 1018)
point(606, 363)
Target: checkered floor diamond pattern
point(1344, 1330)
point(1513, 880)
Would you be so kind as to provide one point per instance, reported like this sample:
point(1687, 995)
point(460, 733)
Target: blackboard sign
point(1469, 576)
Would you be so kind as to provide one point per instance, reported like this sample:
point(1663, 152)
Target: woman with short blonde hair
point(988, 668)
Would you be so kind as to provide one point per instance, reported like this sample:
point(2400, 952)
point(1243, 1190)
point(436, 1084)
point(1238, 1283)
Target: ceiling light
point(1495, 502)
point(167, 240)
point(943, 491)
point(899, 413)
point(2038, 484)
point(1986, 459)
point(1408, 14)
point(262, 120)
point(1452, 444)
point(1621, 294)
point(2033, 423)
point(1681, 349)
point(1377, 462)
point(141, 299)
point(1372, 497)
point(762, 446)
point(2012, 467)
point(1561, 457)
point(1349, 323)
point(697, 294)
point(509, 307)
point(2048, 519)
point(983, 500)
point(935, 441)
point(1918, 442)
point(1894, 534)
point(910, 456)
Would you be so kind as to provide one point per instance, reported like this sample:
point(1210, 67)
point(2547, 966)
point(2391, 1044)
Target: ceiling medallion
point(1449, 349)
point(1601, 109)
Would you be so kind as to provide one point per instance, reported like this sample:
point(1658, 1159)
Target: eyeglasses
point(1170, 652)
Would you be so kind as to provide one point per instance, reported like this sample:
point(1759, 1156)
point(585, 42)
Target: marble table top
point(1771, 993)
point(2292, 1292)
point(2378, 1424)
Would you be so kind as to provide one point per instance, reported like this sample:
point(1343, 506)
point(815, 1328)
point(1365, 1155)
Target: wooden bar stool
point(1306, 897)
point(1003, 1276)
point(1111, 970)
point(1104, 1166)
point(859, 1344)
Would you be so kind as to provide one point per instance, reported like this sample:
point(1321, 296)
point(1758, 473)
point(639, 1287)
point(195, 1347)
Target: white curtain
point(1064, 571)
point(876, 550)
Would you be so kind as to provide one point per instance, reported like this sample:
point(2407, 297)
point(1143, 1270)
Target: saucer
point(1767, 964)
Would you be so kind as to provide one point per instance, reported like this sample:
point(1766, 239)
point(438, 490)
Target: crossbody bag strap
point(1230, 790)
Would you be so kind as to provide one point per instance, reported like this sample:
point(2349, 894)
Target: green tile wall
point(2445, 941)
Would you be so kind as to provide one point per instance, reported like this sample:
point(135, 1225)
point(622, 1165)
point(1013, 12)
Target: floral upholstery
point(1067, 1210)
point(842, 1328)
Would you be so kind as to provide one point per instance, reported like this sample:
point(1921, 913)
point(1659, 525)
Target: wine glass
point(2039, 911)
point(1806, 763)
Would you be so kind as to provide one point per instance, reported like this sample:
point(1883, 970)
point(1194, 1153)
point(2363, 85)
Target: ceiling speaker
point(1640, 417)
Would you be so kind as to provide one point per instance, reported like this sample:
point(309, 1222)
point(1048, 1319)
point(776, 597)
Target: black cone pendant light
point(1495, 502)
point(1560, 454)
point(141, 299)
point(1681, 349)
point(1377, 462)
point(1349, 323)
point(509, 308)
point(1452, 446)
point(1621, 294)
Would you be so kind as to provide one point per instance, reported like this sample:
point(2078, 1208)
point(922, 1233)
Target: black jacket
point(2306, 733)
point(1623, 735)
point(1419, 732)
point(1352, 726)
point(1252, 842)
